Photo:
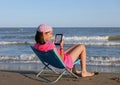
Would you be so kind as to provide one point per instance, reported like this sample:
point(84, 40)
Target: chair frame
point(48, 64)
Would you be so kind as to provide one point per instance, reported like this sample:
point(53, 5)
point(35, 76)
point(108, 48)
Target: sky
point(60, 13)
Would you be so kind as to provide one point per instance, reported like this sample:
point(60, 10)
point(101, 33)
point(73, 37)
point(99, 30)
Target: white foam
point(11, 43)
point(87, 40)
point(104, 61)
point(32, 58)
point(23, 57)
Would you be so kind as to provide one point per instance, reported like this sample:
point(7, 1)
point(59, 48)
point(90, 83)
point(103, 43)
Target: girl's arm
point(62, 50)
point(61, 53)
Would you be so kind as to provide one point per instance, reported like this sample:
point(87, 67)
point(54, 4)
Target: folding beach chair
point(52, 58)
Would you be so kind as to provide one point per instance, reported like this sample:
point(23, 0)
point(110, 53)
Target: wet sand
point(29, 78)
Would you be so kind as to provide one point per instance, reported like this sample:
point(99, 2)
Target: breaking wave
point(104, 61)
point(94, 60)
point(12, 43)
point(87, 40)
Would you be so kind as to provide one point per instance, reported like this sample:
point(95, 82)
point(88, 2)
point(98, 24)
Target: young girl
point(69, 56)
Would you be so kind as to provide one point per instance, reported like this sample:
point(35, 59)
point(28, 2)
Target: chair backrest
point(51, 57)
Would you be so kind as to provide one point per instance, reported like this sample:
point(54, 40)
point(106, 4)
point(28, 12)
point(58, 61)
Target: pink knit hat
point(44, 28)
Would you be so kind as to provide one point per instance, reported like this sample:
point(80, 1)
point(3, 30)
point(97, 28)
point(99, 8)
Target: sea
point(102, 46)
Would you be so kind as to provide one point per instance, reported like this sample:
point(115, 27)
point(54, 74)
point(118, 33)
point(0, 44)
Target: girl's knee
point(82, 46)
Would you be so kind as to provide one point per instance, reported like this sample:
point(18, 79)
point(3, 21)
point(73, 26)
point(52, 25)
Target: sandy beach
point(28, 78)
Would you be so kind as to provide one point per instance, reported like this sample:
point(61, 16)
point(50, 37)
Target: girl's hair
point(39, 38)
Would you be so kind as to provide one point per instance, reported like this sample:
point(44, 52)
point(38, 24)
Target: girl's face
point(47, 35)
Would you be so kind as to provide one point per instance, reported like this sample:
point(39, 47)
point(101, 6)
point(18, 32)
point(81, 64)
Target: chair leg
point(53, 70)
point(58, 77)
point(72, 73)
point(66, 70)
point(46, 66)
point(54, 81)
point(40, 72)
point(61, 74)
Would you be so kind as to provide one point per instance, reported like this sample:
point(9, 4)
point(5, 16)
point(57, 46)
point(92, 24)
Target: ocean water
point(102, 44)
